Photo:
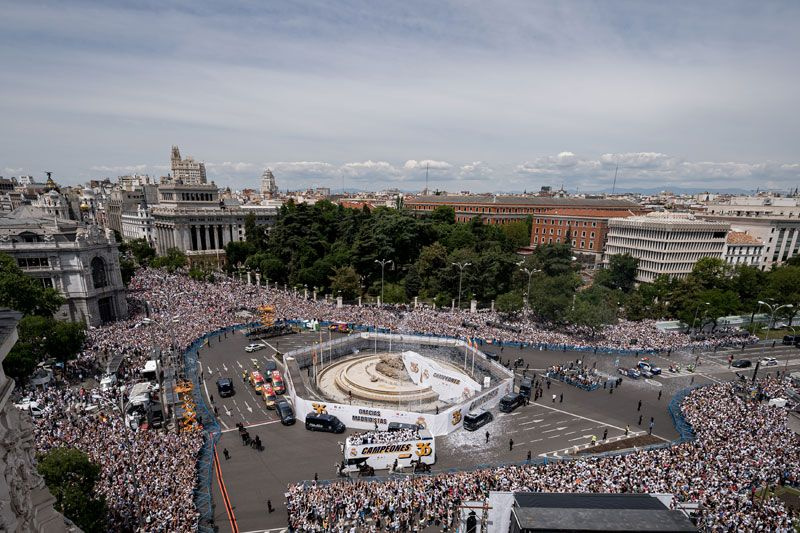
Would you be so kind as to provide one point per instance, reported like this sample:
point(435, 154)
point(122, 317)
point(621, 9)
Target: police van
point(382, 455)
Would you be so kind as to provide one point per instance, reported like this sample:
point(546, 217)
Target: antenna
point(614, 186)
point(427, 165)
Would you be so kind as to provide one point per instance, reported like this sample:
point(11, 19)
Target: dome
point(84, 206)
point(53, 193)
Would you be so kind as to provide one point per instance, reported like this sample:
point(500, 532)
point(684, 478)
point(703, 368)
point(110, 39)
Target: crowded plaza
point(148, 477)
point(740, 447)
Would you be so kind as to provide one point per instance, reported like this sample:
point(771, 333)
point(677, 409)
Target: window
point(32, 262)
point(99, 273)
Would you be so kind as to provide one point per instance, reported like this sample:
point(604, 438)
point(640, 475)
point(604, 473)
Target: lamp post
point(773, 309)
point(530, 272)
point(794, 336)
point(695, 315)
point(461, 267)
point(383, 263)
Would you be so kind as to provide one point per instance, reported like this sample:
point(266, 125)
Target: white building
point(192, 219)
point(81, 262)
point(742, 249)
point(187, 171)
point(269, 189)
point(138, 224)
point(775, 221)
point(665, 243)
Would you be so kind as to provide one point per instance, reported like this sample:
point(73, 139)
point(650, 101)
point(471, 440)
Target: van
point(509, 402)
point(324, 422)
point(525, 387)
point(788, 340)
point(225, 387)
point(476, 420)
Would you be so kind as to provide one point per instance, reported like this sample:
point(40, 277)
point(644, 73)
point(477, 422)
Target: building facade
point(742, 249)
point(138, 224)
point(269, 189)
point(665, 243)
point(192, 219)
point(187, 171)
point(81, 262)
point(583, 229)
point(505, 209)
point(25, 502)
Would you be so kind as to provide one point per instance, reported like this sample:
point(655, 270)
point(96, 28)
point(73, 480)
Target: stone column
point(258, 278)
point(315, 295)
point(453, 305)
point(473, 306)
point(359, 301)
point(305, 293)
point(338, 302)
point(249, 282)
point(416, 301)
point(492, 306)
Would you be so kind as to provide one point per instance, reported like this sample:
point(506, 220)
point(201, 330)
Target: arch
point(99, 277)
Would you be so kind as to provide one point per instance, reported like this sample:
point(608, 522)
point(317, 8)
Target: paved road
point(544, 427)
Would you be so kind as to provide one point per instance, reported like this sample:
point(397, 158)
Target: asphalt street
point(545, 428)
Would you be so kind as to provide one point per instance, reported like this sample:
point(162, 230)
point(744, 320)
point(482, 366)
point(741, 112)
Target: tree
point(517, 233)
point(345, 279)
point(553, 259)
point(393, 293)
point(444, 214)
point(509, 302)
point(621, 272)
point(140, 249)
point(710, 273)
point(551, 296)
point(171, 261)
point(24, 294)
point(592, 314)
point(71, 478)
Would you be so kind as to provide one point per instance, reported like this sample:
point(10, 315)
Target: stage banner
point(451, 385)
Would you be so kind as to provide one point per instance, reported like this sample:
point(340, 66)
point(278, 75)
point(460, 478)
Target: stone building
point(25, 503)
point(187, 171)
point(269, 189)
point(79, 261)
point(192, 219)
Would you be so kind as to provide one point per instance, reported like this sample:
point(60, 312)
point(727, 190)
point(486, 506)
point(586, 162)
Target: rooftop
point(524, 200)
point(741, 237)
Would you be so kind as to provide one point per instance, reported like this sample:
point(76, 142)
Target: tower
point(268, 186)
point(187, 170)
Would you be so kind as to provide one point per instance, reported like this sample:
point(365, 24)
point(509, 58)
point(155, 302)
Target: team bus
point(384, 450)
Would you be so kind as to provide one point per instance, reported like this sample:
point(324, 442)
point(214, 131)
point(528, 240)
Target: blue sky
point(490, 96)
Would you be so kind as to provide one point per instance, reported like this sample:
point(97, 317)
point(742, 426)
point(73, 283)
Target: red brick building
point(505, 209)
point(584, 229)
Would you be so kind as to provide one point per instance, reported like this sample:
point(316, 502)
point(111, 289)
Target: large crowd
point(148, 477)
point(382, 437)
point(741, 446)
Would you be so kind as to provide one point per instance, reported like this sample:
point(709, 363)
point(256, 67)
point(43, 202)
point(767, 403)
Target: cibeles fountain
point(388, 379)
point(370, 379)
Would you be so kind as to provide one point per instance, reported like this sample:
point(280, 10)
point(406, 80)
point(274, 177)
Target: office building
point(742, 249)
point(269, 189)
point(665, 243)
point(186, 171)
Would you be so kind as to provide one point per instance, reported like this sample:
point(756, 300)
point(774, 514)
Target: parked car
point(32, 407)
point(250, 348)
point(742, 363)
point(108, 382)
point(630, 372)
point(285, 411)
point(650, 367)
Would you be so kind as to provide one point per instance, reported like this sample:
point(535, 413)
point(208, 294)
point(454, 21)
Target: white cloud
point(475, 170)
point(228, 166)
point(139, 169)
point(413, 164)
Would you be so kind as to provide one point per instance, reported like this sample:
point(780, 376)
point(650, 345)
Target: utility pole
point(461, 267)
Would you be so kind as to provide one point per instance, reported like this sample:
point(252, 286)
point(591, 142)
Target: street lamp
point(461, 267)
point(383, 263)
point(773, 310)
point(695, 314)
point(529, 272)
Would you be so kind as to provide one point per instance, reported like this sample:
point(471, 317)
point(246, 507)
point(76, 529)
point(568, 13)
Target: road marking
point(582, 417)
point(554, 436)
point(252, 426)
point(555, 429)
point(545, 425)
point(535, 440)
point(209, 369)
point(580, 438)
point(240, 364)
point(570, 433)
point(225, 367)
point(248, 406)
point(531, 422)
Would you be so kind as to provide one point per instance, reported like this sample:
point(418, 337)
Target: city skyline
point(488, 98)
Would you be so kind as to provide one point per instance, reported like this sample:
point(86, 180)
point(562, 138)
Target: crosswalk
point(584, 442)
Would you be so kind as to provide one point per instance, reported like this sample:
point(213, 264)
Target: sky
point(485, 96)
